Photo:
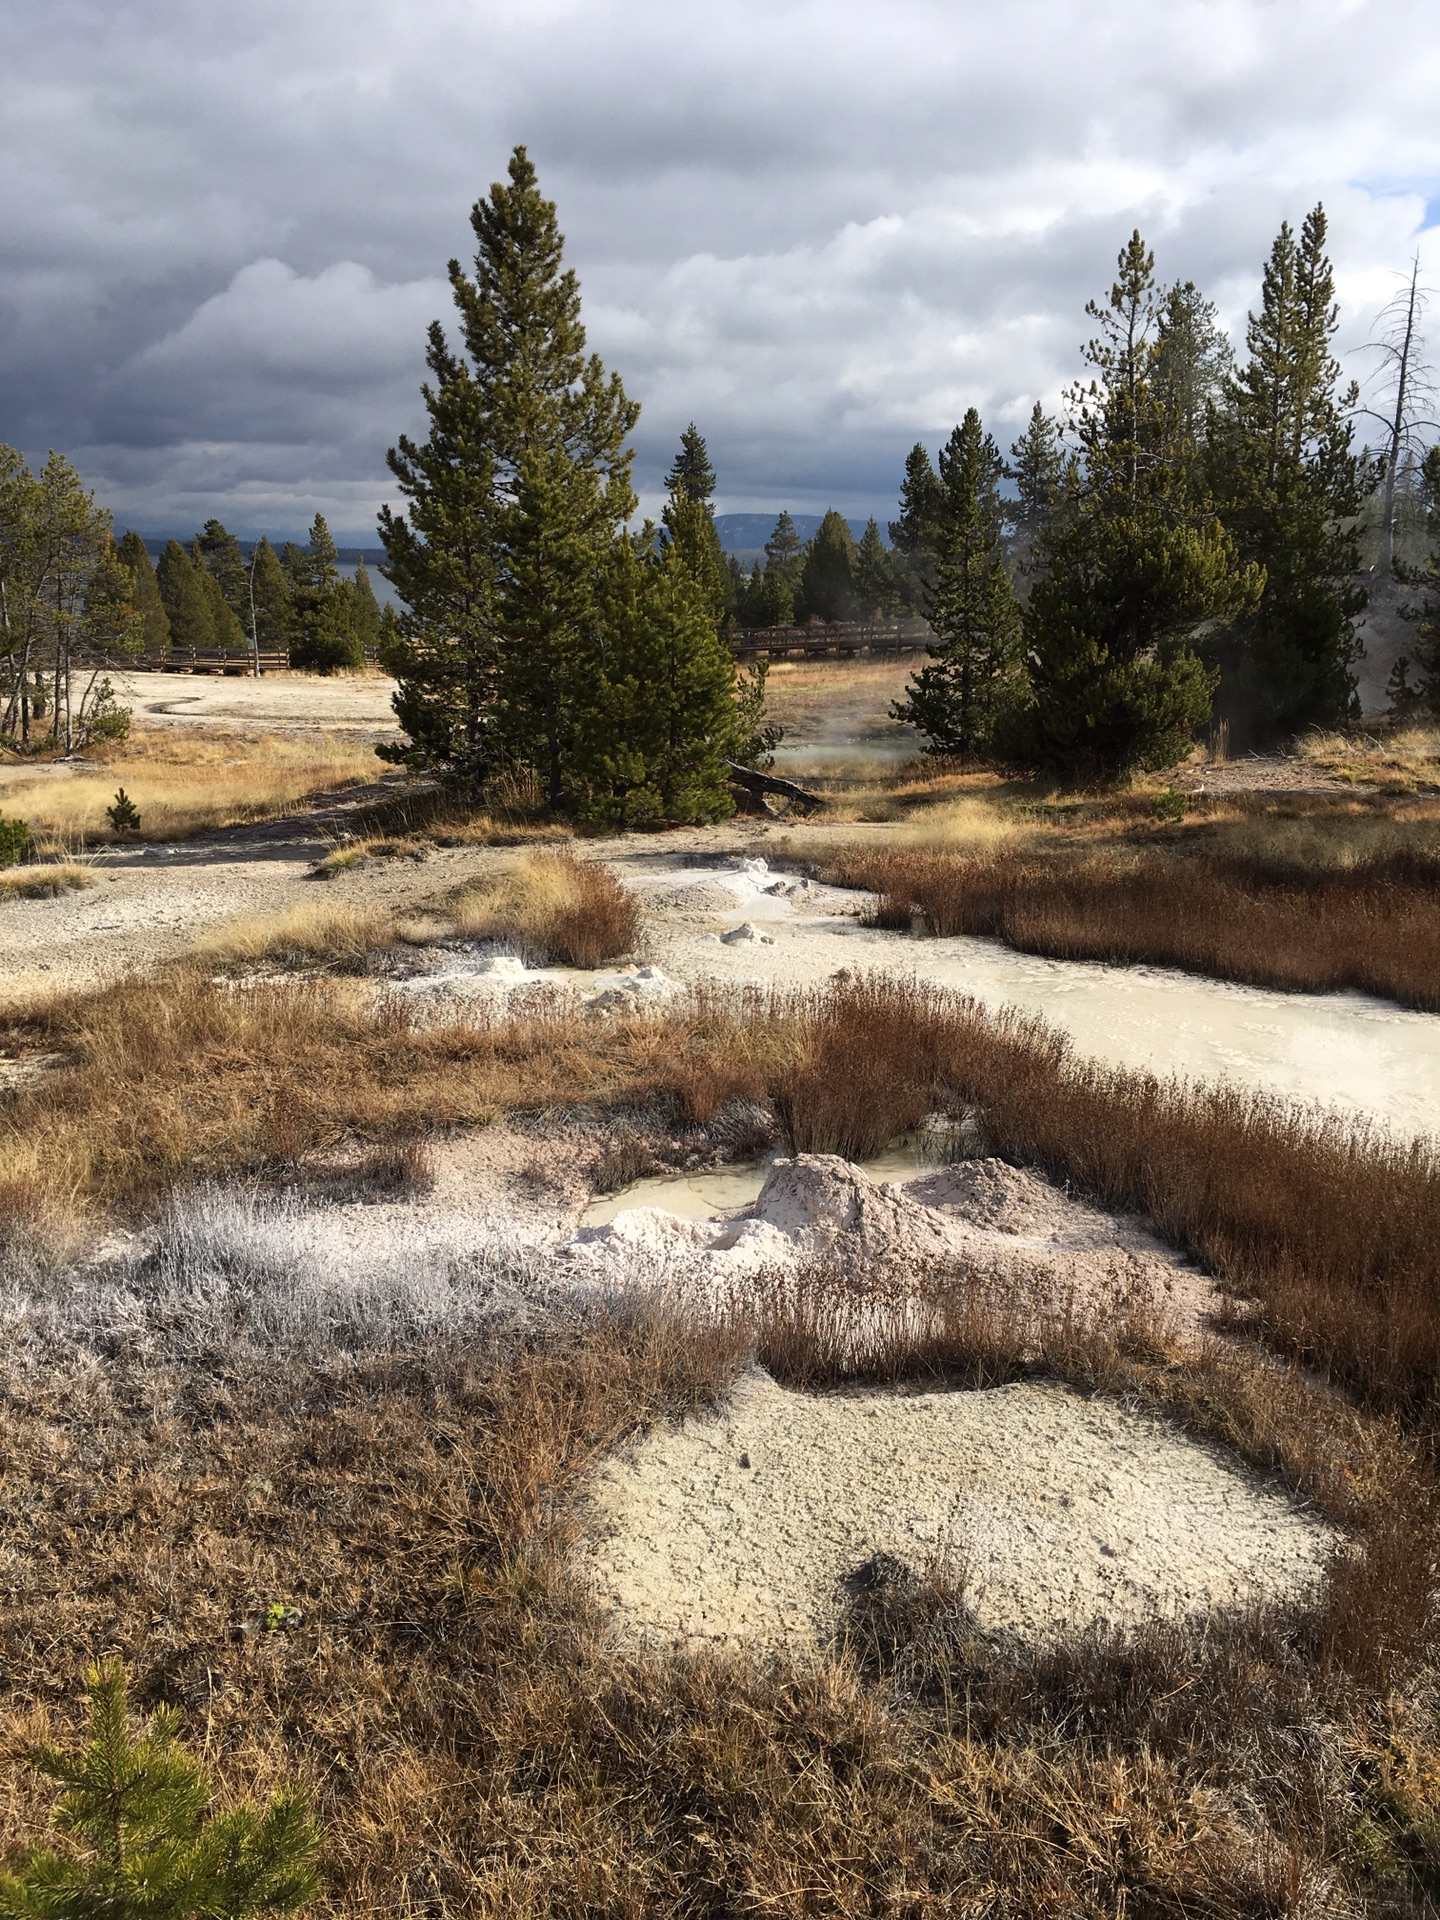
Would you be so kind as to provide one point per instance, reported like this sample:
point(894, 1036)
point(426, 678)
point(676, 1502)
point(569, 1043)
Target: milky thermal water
point(1345, 1050)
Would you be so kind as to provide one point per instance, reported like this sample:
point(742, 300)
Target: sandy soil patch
point(1061, 1512)
point(277, 702)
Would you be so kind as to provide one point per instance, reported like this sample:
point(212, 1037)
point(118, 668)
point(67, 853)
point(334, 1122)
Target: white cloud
point(820, 230)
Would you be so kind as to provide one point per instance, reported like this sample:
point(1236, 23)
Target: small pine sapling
point(15, 843)
point(137, 1810)
point(124, 816)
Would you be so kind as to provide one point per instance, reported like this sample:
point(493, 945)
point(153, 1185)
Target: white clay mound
point(1062, 1513)
point(995, 1219)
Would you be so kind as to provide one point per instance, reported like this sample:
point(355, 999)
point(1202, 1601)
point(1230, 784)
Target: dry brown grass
point(475, 1743)
point(1329, 1230)
point(474, 1740)
point(1396, 759)
point(554, 907)
point(1283, 910)
point(182, 783)
point(44, 881)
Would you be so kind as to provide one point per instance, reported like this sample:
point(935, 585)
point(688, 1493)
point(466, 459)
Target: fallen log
point(760, 784)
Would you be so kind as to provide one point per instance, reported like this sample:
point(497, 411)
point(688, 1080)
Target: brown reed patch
point(1250, 915)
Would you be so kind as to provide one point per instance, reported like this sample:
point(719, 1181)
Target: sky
point(820, 231)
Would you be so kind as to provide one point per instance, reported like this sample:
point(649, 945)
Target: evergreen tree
point(273, 607)
point(1037, 467)
point(779, 585)
point(691, 476)
point(876, 589)
point(186, 597)
point(1193, 362)
point(669, 715)
point(113, 623)
point(224, 622)
point(827, 574)
point(1133, 570)
point(554, 427)
point(973, 682)
point(1290, 486)
point(1407, 697)
point(155, 622)
point(142, 1843)
point(365, 609)
point(689, 521)
point(218, 551)
point(440, 558)
point(325, 640)
point(912, 536)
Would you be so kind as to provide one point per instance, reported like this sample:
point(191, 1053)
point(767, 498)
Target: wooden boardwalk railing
point(838, 641)
point(841, 640)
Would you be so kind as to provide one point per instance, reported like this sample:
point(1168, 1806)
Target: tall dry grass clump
point(555, 908)
point(1234, 913)
point(1326, 1231)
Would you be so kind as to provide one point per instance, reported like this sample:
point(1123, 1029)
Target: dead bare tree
point(1409, 378)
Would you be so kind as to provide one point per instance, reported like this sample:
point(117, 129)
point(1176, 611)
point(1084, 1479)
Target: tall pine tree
point(876, 588)
point(185, 593)
point(1134, 569)
point(1037, 468)
point(689, 521)
point(154, 621)
point(912, 536)
point(440, 558)
point(554, 426)
point(972, 685)
point(779, 585)
point(827, 574)
point(1290, 486)
point(325, 639)
point(268, 590)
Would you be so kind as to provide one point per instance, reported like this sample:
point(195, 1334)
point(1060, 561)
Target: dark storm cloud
point(820, 230)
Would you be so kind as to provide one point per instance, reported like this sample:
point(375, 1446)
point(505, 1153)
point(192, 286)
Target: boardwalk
point(842, 640)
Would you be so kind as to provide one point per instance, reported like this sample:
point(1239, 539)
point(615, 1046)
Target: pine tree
point(144, 1844)
point(671, 712)
point(554, 427)
point(186, 597)
point(365, 609)
point(912, 536)
point(155, 622)
point(827, 575)
point(1193, 362)
point(268, 587)
point(218, 551)
point(876, 589)
point(224, 621)
point(779, 586)
point(325, 640)
point(1037, 467)
point(691, 476)
point(1133, 570)
point(1406, 697)
point(689, 521)
point(1290, 486)
point(972, 685)
point(440, 558)
point(113, 623)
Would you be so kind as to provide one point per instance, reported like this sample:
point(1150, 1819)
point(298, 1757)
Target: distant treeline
point(214, 594)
